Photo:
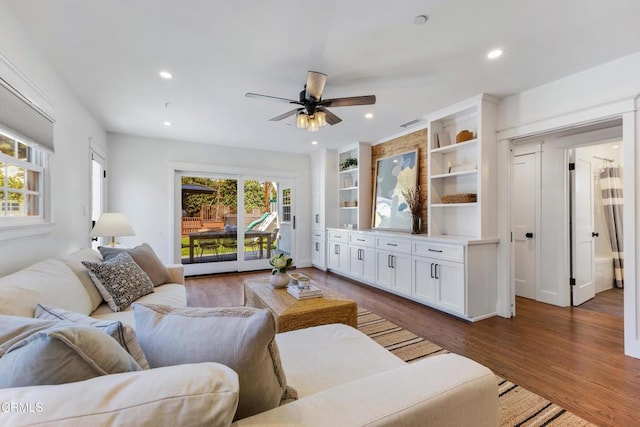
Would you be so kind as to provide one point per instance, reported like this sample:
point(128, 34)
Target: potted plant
point(415, 200)
point(281, 263)
point(348, 163)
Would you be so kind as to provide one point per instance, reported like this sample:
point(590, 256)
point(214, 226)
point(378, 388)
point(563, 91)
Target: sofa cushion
point(49, 282)
point(146, 258)
point(61, 354)
point(201, 394)
point(74, 262)
point(120, 280)
point(124, 334)
point(240, 337)
point(324, 348)
point(169, 294)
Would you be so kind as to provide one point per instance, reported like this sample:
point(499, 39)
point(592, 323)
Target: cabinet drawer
point(439, 251)
point(362, 239)
point(317, 234)
point(339, 236)
point(392, 244)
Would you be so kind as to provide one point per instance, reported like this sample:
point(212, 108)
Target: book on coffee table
point(312, 292)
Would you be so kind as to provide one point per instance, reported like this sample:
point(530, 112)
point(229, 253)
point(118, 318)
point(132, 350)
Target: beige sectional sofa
point(343, 378)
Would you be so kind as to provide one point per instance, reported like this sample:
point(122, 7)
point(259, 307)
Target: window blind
point(20, 115)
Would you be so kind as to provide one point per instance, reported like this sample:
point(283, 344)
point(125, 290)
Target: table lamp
point(112, 225)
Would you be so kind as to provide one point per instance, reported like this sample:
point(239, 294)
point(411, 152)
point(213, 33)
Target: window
point(21, 179)
point(286, 205)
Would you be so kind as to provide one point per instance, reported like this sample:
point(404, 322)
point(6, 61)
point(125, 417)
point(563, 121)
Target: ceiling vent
point(410, 123)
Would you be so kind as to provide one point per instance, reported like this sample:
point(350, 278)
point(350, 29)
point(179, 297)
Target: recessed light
point(314, 142)
point(369, 115)
point(166, 75)
point(167, 123)
point(495, 53)
point(615, 146)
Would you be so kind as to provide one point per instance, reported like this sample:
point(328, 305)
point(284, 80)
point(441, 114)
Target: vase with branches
point(415, 200)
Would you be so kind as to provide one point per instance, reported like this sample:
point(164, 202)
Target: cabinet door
point(344, 257)
point(384, 271)
point(368, 256)
point(401, 264)
point(424, 282)
point(355, 261)
point(334, 256)
point(450, 276)
point(318, 253)
point(316, 210)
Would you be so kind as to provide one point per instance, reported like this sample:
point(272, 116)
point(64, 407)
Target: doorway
point(231, 223)
point(552, 241)
point(98, 190)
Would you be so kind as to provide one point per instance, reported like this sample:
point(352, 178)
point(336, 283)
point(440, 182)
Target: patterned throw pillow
point(145, 257)
point(120, 281)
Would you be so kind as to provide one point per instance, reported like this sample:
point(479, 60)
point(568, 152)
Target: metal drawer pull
point(436, 250)
point(360, 240)
point(432, 264)
point(436, 270)
point(317, 218)
point(317, 247)
point(392, 244)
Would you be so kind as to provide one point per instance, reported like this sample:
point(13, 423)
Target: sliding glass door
point(223, 229)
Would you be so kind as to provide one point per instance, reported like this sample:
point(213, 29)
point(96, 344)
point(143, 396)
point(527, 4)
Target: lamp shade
point(112, 224)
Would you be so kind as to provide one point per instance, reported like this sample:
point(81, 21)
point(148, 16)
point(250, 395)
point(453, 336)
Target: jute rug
point(518, 406)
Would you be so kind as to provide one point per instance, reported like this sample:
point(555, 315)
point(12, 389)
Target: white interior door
point(524, 200)
point(98, 190)
point(582, 232)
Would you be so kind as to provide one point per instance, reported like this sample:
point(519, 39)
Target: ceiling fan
point(313, 111)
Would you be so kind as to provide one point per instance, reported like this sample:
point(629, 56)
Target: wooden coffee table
point(292, 314)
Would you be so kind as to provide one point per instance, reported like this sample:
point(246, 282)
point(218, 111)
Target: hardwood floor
point(571, 356)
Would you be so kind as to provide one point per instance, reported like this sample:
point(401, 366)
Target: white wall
point(70, 178)
point(140, 181)
point(607, 91)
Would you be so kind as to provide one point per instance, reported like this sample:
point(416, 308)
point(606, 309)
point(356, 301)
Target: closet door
point(583, 288)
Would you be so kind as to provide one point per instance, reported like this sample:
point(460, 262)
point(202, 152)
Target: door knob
point(594, 234)
point(529, 235)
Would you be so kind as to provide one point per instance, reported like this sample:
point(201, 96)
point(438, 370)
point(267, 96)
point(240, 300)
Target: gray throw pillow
point(120, 280)
point(124, 334)
point(62, 354)
point(241, 338)
point(14, 329)
point(145, 257)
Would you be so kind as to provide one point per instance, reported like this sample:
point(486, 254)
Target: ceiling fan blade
point(346, 102)
point(269, 97)
point(315, 85)
point(285, 115)
point(332, 119)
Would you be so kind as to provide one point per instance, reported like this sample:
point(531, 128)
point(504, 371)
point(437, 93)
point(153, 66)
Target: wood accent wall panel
point(417, 139)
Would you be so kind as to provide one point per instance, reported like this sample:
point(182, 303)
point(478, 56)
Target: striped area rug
point(518, 406)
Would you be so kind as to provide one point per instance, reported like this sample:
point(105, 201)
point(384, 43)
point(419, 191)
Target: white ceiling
point(110, 53)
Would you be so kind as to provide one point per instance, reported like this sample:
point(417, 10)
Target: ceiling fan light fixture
point(321, 118)
point(302, 120)
point(313, 124)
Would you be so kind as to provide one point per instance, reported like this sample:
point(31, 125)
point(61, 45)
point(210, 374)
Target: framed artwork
point(393, 175)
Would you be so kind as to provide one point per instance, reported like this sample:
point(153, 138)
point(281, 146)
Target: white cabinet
point(458, 277)
point(318, 248)
point(324, 205)
point(338, 250)
point(463, 176)
point(393, 264)
point(362, 256)
point(354, 187)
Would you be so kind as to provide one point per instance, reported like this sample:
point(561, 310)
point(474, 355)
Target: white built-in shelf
point(454, 147)
point(452, 174)
point(349, 188)
point(349, 170)
point(452, 205)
